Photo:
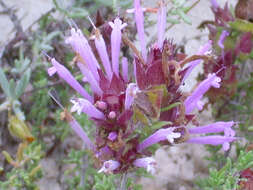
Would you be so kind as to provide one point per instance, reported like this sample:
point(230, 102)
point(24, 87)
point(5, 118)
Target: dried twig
point(20, 35)
point(133, 48)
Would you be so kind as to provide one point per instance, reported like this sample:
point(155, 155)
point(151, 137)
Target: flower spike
point(123, 102)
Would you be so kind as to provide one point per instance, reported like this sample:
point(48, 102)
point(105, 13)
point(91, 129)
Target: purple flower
point(109, 166)
point(214, 3)
point(139, 19)
point(124, 69)
point(82, 105)
point(117, 26)
point(203, 50)
point(90, 78)
point(223, 37)
point(101, 105)
point(160, 135)
point(112, 136)
point(79, 131)
point(148, 163)
point(161, 23)
point(121, 102)
point(217, 127)
point(101, 47)
point(131, 92)
point(81, 46)
point(67, 76)
point(213, 140)
point(194, 100)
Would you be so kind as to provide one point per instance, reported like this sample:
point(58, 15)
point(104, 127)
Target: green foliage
point(4, 83)
point(26, 169)
point(14, 89)
point(227, 177)
point(84, 176)
point(179, 10)
point(103, 182)
point(82, 8)
point(242, 25)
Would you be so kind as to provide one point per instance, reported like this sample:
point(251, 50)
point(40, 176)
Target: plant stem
point(123, 182)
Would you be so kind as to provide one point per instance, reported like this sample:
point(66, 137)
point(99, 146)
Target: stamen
point(56, 101)
point(92, 23)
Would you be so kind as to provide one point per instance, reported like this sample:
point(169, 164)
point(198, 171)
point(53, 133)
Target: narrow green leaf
point(52, 35)
point(160, 124)
point(105, 3)
point(22, 83)
point(170, 106)
point(173, 21)
point(250, 128)
point(241, 25)
point(184, 16)
point(12, 87)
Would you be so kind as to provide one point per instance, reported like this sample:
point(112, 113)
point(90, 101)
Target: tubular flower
point(109, 166)
point(125, 102)
point(80, 44)
point(161, 23)
point(101, 47)
point(139, 18)
point(67, 76)
point(226, 55)
point(217, 127)
point(82, 105)
point(160, 135)
point(203, 50)
point(117, 26)
point(148, 163)
point(223, 37)
point(213, 140)
point(193, 100)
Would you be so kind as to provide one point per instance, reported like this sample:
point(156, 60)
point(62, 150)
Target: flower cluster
point(136, 104)
point(224, 31)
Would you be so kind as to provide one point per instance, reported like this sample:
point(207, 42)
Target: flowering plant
point(233, 42)
point(137, 102)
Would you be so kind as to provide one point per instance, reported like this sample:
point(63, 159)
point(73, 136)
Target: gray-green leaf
point(4, 83)
point(22, 83)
